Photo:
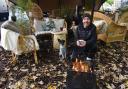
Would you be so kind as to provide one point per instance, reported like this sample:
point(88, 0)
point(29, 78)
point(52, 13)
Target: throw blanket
point(9, 41)
point(10, 25)
point(101, 26)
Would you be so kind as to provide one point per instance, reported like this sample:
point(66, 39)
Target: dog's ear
point(59, 40)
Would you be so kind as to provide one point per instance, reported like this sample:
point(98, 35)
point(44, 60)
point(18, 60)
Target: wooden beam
point(93, 9)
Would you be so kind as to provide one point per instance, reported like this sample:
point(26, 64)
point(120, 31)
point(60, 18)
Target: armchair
point(59, 32)
point(114, 32)
point(18, 44)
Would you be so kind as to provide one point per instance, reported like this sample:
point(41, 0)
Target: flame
point(80, 66)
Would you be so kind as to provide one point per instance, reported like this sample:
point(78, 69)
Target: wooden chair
point(115, 32)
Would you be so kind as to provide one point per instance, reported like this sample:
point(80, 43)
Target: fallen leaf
point(3, 79)
point(34, 69)
point(34, 77)
point(24, 70)
point(41, 82)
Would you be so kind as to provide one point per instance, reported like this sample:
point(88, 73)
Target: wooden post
point(93, 9)
point(59, 6)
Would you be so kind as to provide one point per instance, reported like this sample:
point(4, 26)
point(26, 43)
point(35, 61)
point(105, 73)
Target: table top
point(51, 32)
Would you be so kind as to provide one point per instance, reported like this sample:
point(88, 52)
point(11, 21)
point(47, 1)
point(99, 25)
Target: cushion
point(48, 26)
point(101, 26)
point(37, 25)
point(58, 23)
point(40, 25)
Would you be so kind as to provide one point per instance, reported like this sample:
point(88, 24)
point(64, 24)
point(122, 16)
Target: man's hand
point(81, 43)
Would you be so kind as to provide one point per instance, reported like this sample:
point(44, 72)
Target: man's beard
point(85, 25)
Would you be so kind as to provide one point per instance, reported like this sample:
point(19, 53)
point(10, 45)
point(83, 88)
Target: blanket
point(101, 26)
point(9, 41)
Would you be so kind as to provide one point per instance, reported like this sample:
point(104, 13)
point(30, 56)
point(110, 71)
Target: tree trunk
point(98, 4)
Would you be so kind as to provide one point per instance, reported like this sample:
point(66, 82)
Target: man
point(85, 38)
point(11, 25)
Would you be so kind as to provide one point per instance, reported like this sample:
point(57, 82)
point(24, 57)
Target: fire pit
point(80, 76)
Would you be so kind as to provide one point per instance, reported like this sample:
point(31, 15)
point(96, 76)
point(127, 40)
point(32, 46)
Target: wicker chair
point(27, 44)
point(18, 44)
point(114, 31)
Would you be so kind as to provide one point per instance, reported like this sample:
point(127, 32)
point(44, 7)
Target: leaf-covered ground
point(112, 66)
point(111, 69)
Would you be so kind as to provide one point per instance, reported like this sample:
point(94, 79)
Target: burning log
point(80, 66)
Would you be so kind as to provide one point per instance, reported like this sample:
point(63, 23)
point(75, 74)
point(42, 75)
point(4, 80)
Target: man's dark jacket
point(88, 34)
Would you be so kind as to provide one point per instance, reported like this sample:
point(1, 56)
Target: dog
point(62, 49)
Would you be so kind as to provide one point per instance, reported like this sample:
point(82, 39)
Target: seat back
point(101, 16)
point(116, 32)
